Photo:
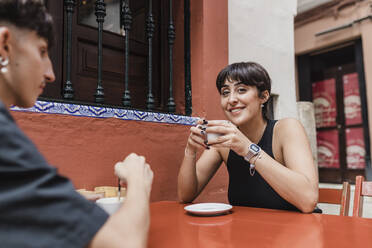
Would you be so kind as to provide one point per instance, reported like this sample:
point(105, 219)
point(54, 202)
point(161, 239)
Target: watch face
point(255, 148)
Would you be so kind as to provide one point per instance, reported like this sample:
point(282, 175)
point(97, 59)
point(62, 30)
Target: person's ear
point(265, 95)
point(4, 42)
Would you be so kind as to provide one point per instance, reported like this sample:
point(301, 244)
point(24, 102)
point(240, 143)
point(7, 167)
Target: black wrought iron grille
point(126, 26)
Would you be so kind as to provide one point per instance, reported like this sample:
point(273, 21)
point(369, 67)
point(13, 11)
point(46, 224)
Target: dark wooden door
point(336, 81)
point(85, 52)
point(340, 139)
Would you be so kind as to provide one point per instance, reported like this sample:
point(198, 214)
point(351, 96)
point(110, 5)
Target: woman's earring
point(262, 105)
point(4, 63)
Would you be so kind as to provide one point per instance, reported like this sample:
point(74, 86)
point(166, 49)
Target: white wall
point(262, 31)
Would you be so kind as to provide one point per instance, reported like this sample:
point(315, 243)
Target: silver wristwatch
point(253, 150)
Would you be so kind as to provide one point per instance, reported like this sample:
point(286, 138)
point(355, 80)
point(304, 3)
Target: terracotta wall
point(85, 149)
point(209, 54)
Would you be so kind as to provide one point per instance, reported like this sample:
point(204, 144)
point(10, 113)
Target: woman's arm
point(193, 174)
point(295, 176)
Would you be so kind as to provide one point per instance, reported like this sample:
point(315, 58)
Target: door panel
point(328, 149)
point(85, 51)
point(355, 148)
point(336, 80)
point(352, 101)
point(324, 99)
point(339, 121)
point(85, 61)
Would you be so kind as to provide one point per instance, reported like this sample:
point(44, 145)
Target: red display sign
point(324, 99)
point(353, 113)
point(355, 150)
point(328, 151)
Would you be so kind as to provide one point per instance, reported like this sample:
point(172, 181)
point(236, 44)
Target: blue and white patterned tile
point(103, 112)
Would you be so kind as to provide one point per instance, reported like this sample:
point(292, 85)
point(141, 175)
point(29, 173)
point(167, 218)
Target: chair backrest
point(336, 196)
point(362, 188)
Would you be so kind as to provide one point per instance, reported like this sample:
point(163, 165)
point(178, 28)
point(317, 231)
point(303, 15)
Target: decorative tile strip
point(104, 112)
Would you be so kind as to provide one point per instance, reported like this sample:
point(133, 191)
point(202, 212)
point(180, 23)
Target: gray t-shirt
point(38, 207)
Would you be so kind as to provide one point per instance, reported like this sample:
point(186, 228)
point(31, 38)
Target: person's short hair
point(28, 14)
point(248, 73)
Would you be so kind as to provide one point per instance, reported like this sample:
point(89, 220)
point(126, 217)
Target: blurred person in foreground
point(269, 162)
point(39, 207)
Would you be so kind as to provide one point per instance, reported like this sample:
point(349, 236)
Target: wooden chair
point(336, 196)
point(362, 188)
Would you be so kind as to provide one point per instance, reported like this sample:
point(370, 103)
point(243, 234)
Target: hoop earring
point(4, 63)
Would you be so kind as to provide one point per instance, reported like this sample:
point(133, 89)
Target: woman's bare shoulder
point(288, 127)
point(287, 123)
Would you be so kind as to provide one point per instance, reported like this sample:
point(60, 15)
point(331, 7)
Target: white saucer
point(208, 208)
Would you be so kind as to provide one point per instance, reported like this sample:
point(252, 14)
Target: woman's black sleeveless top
point(254, 191)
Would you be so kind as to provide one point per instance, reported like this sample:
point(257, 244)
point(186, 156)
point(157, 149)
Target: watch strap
point(253, 150)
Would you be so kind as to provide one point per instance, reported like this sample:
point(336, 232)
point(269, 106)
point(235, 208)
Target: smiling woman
point(269, 162)
point(249, 80)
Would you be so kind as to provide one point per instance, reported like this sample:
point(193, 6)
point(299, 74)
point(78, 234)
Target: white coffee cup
point(110, 204)
point(213, 136)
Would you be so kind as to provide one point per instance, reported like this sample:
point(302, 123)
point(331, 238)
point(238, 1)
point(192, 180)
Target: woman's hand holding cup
point(197, 138)
point(226, 135)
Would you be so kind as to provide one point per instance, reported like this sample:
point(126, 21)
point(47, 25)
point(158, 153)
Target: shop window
point(333, 80)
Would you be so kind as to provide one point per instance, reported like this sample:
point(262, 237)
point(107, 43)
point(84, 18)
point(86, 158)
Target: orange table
point(172, 227)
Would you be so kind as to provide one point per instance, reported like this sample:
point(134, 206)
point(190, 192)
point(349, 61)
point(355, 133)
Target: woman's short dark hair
point(28, 14)
point(249, 73)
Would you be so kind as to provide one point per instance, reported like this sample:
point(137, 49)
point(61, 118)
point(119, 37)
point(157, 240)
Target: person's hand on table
point(135, 170)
